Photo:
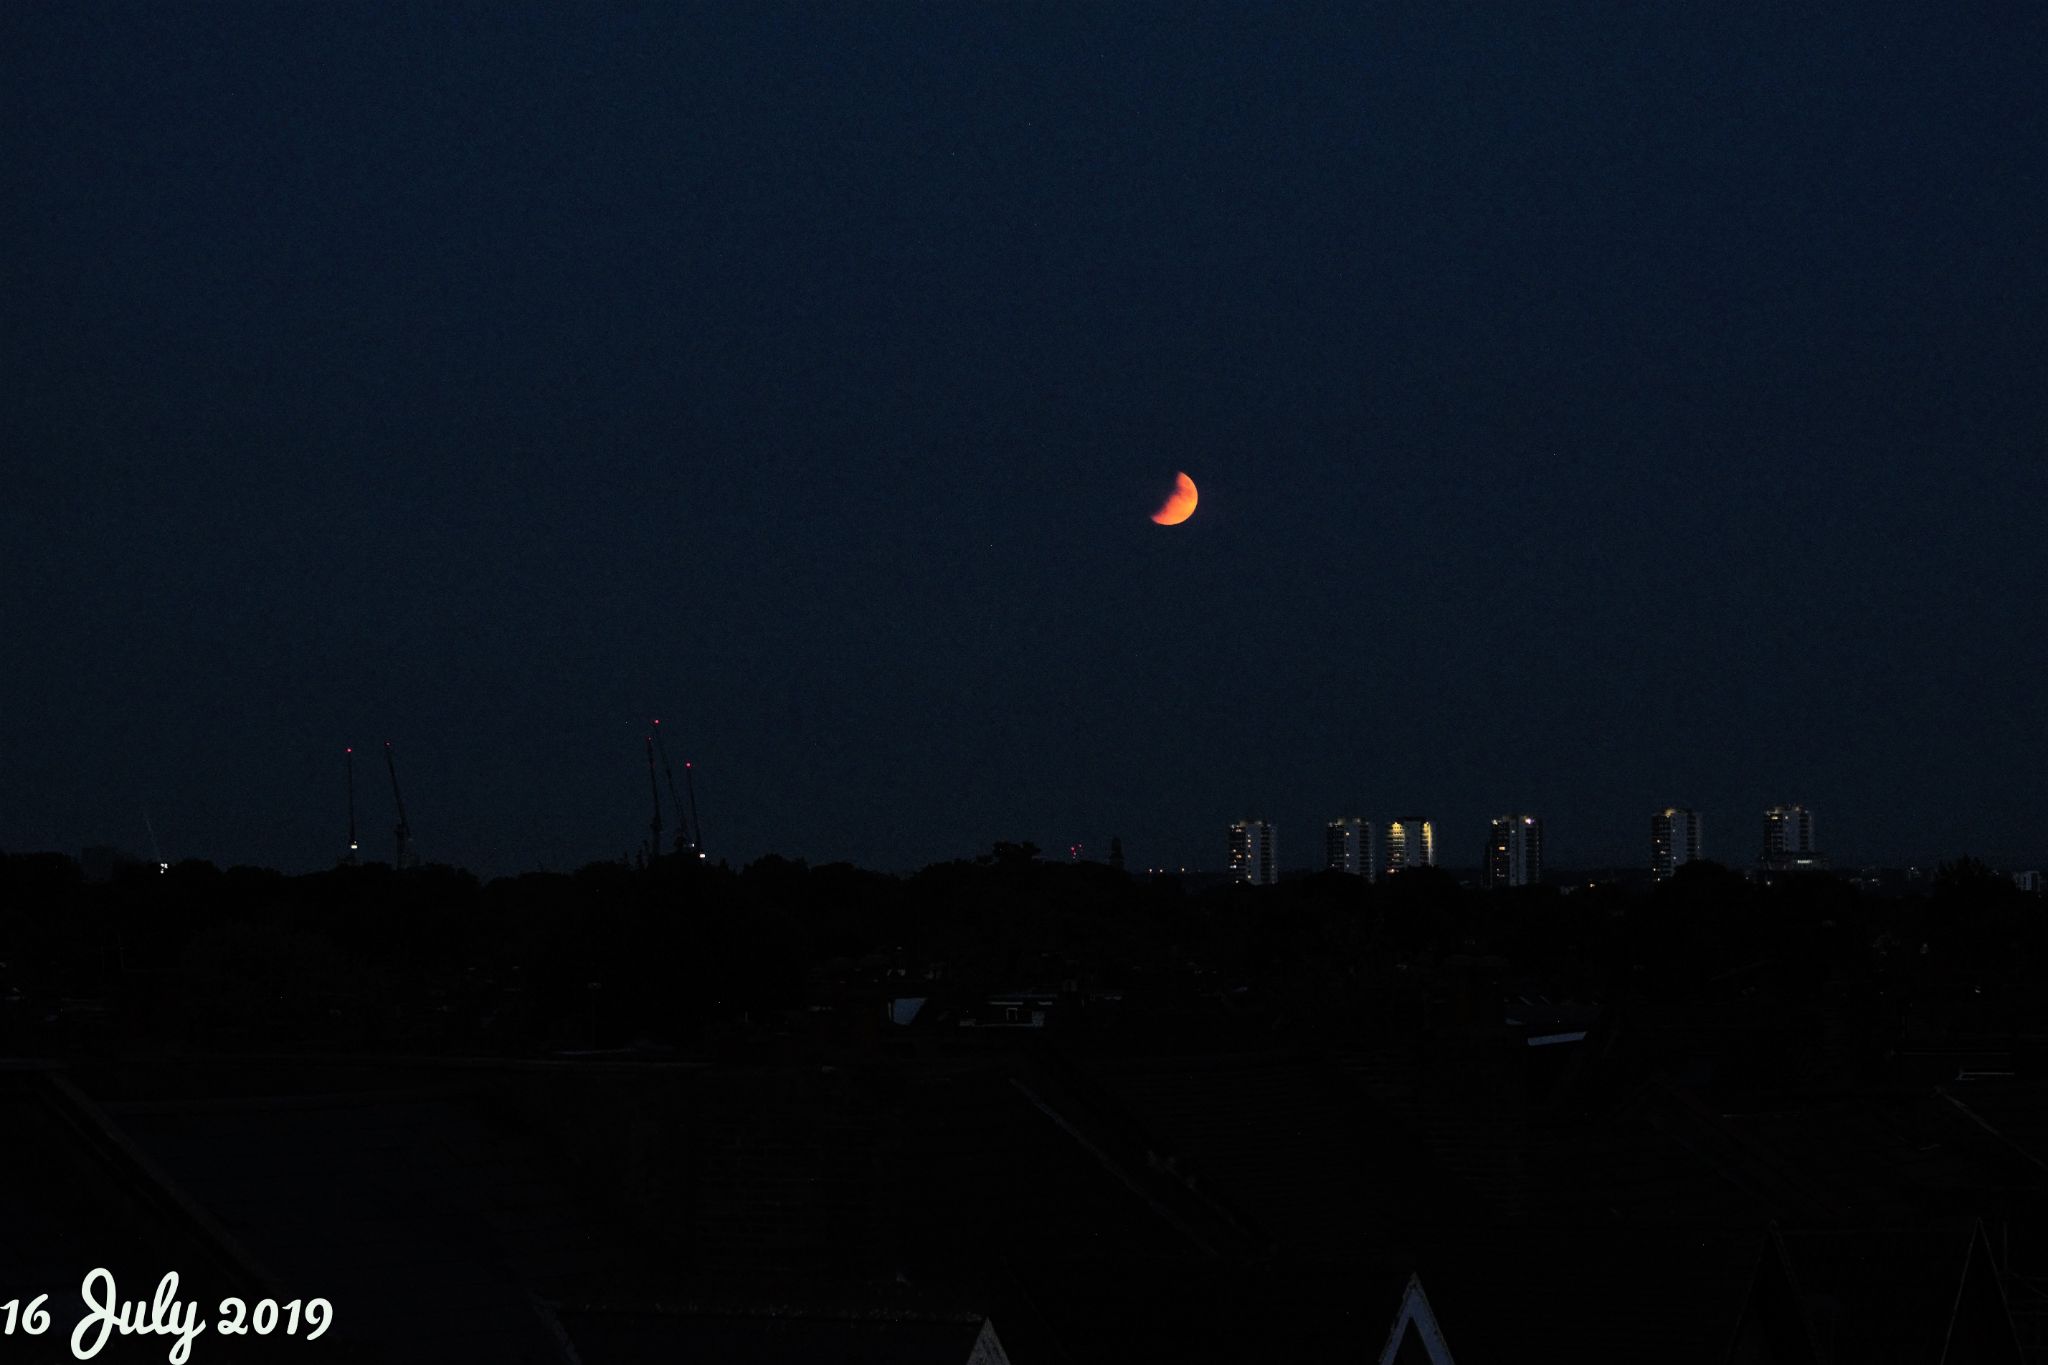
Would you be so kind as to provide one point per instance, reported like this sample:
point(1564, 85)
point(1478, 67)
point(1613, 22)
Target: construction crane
point(402, 829)
point(348, 859)
point(155, 847)
point(696, 830)
point(689, 839)
point(654, 787)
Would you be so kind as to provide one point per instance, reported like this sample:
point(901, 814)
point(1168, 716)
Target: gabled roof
point(1285, 1308)
point(1415, 1335)
point(1665, 1155)
point(85, 1193)
point(1872, 1161)
point(1292, 1144)
point(2014, 1114)
point(90, 1196)
point(420, 1215)
point(1763, 1177)
point(1471, 1135)
point(1625, 1168)
point(1679, 1296)
point(1894, 1296)
point(788, 1336)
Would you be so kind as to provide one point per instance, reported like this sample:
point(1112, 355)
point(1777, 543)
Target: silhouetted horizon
point(1556, 870)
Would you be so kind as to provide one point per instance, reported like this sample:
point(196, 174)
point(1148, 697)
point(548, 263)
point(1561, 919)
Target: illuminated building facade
point(1674, 841)
point(1788, 841)
point(1253, 861)
point(1514, 852)
point(1788, 829)
point(1411, 842)
point(1348, 847)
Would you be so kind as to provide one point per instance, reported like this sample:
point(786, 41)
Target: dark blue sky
point(1592, 410)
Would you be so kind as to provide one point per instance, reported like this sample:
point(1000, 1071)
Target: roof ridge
point(99, 1132)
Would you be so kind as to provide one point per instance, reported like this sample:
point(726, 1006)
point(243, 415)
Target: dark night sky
point(1592, 409)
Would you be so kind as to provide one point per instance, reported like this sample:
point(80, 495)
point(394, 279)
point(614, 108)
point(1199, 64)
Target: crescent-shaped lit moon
point(1179, 504)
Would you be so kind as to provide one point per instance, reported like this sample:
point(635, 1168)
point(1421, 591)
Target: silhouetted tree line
point(669, 955)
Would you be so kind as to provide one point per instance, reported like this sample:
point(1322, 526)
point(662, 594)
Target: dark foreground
point(1013, 1110)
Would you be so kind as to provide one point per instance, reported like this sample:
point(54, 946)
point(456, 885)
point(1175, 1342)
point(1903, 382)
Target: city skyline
point(1786, 828)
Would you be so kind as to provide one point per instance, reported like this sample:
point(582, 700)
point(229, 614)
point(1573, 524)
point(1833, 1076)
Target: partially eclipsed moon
point(1179, 504)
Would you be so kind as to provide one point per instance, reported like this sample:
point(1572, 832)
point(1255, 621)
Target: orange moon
point(1179, 504)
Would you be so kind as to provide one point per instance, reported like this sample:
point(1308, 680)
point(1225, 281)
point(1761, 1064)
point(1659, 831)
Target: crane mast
point(696, 830)
point(684, 838)
point(155, 847)
point(402, 830)
point(349, 858)
point(654, 788)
